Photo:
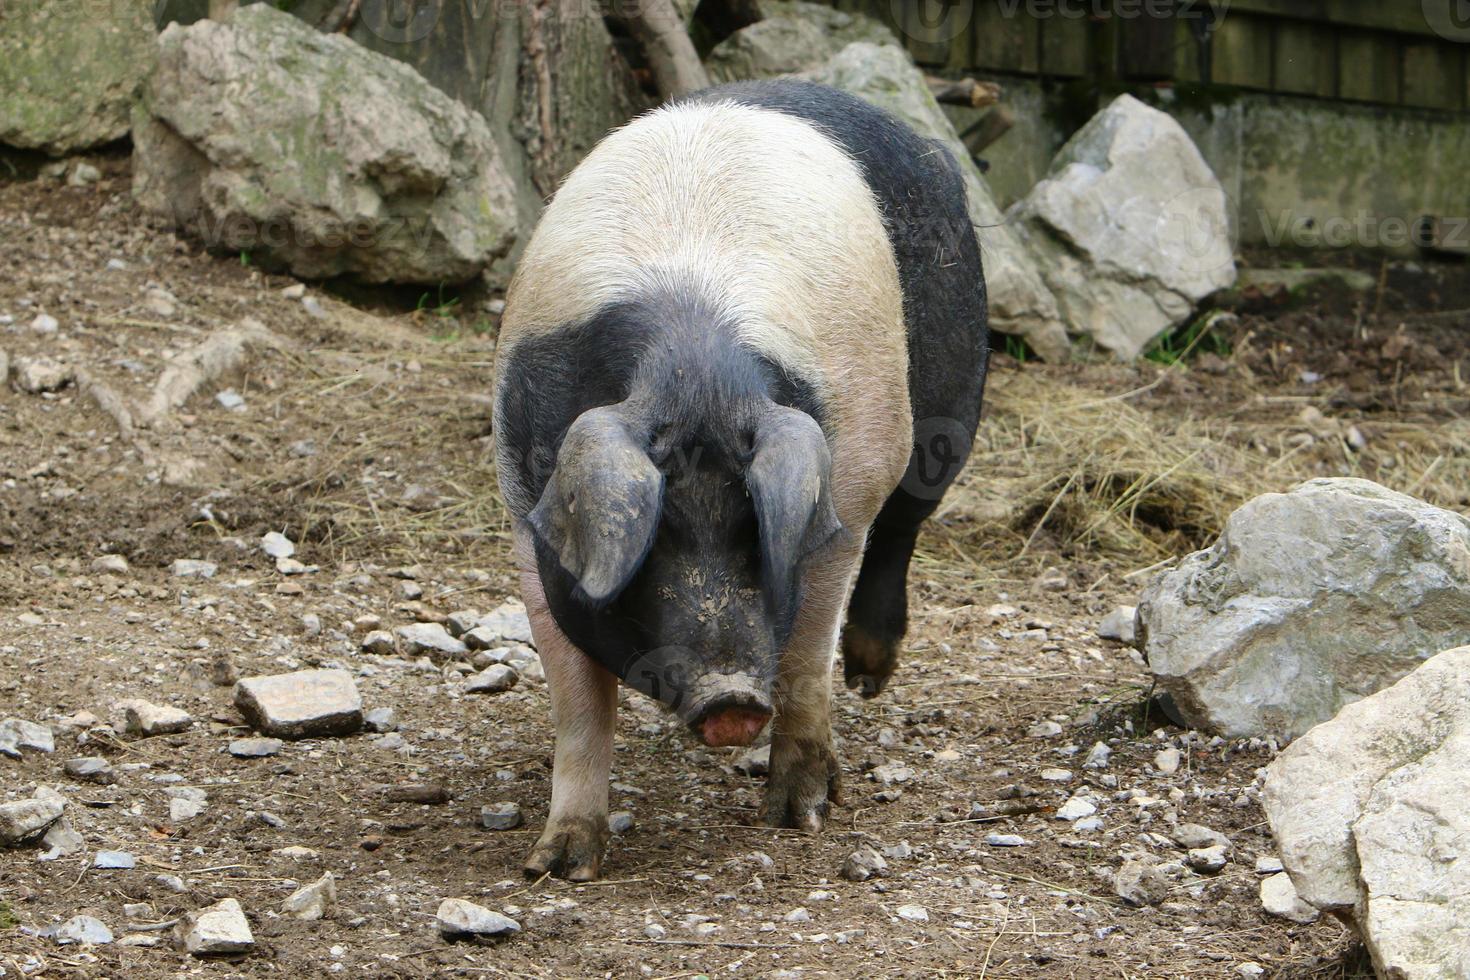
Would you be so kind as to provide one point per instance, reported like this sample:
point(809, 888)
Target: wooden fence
point(1389, 52)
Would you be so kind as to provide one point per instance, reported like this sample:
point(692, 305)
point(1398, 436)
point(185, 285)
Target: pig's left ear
point(788, 479)
point(600, 509)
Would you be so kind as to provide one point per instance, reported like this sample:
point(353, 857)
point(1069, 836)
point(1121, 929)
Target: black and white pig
point(747, 339)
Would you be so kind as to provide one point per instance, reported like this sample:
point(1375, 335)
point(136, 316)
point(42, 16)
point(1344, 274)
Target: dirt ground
point(364, 438)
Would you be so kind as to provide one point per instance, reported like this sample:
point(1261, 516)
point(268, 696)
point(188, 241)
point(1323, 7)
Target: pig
point(741, 360)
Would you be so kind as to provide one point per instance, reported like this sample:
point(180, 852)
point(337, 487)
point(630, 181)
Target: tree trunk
point(660, 31)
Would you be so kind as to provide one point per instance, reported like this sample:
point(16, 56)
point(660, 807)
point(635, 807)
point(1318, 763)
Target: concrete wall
point(1299, 172)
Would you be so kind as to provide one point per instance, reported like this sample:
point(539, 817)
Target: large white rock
point(301, 704)
point(1370, 813)
point(791, 36)
point(1308, 601)
point(1129, 227)
point(219, 930)
point(1020, 302)
point(24, 820)
point(69, 72)
point(311, 151)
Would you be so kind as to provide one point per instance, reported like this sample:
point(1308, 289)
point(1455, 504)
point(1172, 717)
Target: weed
point(1194, 338)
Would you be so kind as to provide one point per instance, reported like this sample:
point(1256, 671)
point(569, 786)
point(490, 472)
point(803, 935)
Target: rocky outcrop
point(1020, 302)
point(69, 72)
point(311, 152)
point(1129, 227)
point(1369, 812)
point(792, 36)
point(1309, 600)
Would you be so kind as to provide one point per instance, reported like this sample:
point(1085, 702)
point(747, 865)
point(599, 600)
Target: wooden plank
point(1242, 51)
point(1304, 59)
point(1146, 48)
point(1402, 16)
point(936, 32)
point(1368, 67)
point(1004, 38)
point(1064, 47)
point(1432, 75)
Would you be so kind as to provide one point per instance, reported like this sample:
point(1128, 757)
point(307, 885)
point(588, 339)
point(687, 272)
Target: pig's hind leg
point(584, 706)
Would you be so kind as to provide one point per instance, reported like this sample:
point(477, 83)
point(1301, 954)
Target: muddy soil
point(363, 436)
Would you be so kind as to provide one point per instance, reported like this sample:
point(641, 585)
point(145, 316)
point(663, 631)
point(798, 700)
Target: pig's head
point(672, 551)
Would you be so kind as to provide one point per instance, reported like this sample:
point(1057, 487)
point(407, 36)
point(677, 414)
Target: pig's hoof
point(803, 783)
point(570, 849)
point(867, 661)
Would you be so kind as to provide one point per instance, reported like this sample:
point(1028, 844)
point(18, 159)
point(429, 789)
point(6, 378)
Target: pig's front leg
point(584, 707)
point(804, 772)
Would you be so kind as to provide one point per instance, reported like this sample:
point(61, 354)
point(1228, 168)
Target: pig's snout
point(730, 710)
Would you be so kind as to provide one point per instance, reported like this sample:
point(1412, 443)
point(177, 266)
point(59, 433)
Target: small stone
point(430, 640)
point(890, 773)
point(255, 748)
point(754, 761)
point(1098, 756)
point(380, 720)
point(493, 680)
point(277, 545)
point(193, 568)
point(1167, 760)
point(620, 821)
point(110, 565)
point(114, 861)
point(1250, 968)
point(302, 704)
point(1044, 729)
point(148, 719)
point(230, 400)
point(901, 851)
point(294, 291)
point(185, 803)
point(797, 915)
point(220, 929)
point(61, 840)
point(1053, 580)
point(1207, 859)
point(1076, 808)
point(1139, 883)
point(461, 621)
point(409, 590)
point(313, 308)
point(296, 852)
point(45, 323)
point(1006, 840)
point(290, 566)
point(1268, 864)
point(1118, 625)
point(862, 864)
point(1191, 836)
point(500, 816)
point(173, 883)
point(655, 931)
point(83, 929)
point(913, 913)
point(380, 642)
point(508, 622)
point(38, 375)
point(18, 735)
point(22, 820)
point(461, 919)
point(1279, 898)
point(1056, 775)
point(313, 901)
point(83, 174)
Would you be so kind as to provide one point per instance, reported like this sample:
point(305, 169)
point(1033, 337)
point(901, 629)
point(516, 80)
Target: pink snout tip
point(733, 726)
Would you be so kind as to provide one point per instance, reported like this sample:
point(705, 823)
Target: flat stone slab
point(302, 704)
point(146, 718)
point(430, 640)
point(219, 930)
point(18, 735)
point(23, 820)
point(461, 919)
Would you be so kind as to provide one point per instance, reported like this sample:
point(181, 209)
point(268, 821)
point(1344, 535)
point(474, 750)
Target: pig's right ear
point(599, 512)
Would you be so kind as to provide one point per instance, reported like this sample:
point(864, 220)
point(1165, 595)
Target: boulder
point(70, 72)
point(310, 151)
point(1369, 812)
point(1129, 227)
point(219, 930)
point(1308, 601)
point(1020, 302)
point(791, 37)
